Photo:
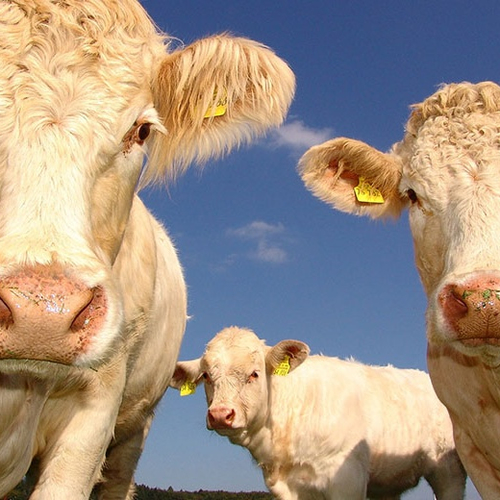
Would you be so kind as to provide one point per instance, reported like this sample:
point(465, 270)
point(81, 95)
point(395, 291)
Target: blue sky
point(260, 251)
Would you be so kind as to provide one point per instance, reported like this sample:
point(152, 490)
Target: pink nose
point(220, 417)
point(472, 309)
point(46, 315)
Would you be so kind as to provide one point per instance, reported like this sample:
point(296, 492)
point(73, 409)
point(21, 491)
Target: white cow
point(329, 428)
point(447, 171)
point(92, 297)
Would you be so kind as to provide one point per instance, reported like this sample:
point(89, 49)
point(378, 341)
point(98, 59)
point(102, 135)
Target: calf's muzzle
point(220, 417)
point(46, 314)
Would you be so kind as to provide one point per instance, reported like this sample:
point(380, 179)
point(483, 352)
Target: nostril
point(92, 309)
point(5, 315)
point(82, 319)
point(457, 303)
point(230, 416)
point(211, 418)
point(453, 300)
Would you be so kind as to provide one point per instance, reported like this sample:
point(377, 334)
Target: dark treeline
point(147, 493)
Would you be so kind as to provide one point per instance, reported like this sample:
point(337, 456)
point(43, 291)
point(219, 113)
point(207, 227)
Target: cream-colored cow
point(92, 297)
point(322, 427)
point(447, 171)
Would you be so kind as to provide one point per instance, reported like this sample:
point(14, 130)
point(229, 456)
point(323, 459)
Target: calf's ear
point(354, 177)
point(186, 371)
point(213, 95)
point(294, 351)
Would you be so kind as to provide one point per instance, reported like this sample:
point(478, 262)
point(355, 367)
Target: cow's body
point(124, 390)
point(329, 428)
point(447, 170)
point(92, 297)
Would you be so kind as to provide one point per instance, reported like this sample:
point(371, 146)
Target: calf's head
point(236, 370)
point(85, 89)
point(446, 171)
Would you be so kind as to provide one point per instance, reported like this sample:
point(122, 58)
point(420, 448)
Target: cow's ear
point(286, 352)
point(354, 177)
point(186, 372)
point(216, 94)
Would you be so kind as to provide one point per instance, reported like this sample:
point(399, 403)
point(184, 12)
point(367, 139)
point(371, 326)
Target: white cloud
point(268, 252)
point(266, 240)
point(297, 136)
point(256, 230)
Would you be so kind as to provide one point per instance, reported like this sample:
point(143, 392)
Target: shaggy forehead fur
point(73, 68)
point(233, 347)
point(455, 129)
point(93, 67)
point(455, 101)
point(51, 35)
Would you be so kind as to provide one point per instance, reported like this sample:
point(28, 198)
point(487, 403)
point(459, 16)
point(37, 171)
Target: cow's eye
point(253, 376)
point(412, 195)
point(206, 377)
point(143, 131)
point(136, 135)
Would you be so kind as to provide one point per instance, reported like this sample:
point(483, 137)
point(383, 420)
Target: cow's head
point(236, 369)
point(447, 171)
point(85, 90)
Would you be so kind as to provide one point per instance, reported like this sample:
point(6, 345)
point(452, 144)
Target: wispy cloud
point(266, 241)
point(297, 136)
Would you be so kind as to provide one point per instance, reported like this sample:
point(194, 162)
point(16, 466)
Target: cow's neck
point(22, 403)
point(259, 443)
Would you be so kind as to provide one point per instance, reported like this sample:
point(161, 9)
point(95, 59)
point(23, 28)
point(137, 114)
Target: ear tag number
point(218, 106)
point(366, 193)
point(188, 388)
point(283, 368)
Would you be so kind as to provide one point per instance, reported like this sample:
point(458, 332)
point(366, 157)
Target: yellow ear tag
point(188, 388)
point(366, 193)
point(218, 107)
point(283, 368)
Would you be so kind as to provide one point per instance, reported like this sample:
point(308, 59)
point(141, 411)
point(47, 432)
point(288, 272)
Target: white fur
point(446, 169)
point(330, 428)
point(77, 82)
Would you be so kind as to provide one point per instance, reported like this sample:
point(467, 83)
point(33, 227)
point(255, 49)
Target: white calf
point(321, 427)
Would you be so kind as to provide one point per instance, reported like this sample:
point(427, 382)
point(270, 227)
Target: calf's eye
point(206, 377)
point(253, 376)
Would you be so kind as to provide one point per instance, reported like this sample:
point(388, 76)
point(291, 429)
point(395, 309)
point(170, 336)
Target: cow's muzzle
point(471, 309)
point(47, 315)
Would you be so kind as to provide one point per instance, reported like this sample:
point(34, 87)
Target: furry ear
point(214, 95)
point(186, 371)
point(295, 350)
point(333, 170)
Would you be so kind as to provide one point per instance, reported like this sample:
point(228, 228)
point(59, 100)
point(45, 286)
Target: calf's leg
point(448, 478)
